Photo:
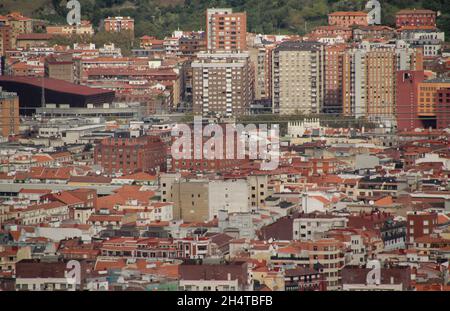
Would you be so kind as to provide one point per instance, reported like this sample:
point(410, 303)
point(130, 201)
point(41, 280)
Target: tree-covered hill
point(161, 17)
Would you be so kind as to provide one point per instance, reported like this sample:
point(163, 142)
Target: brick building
point(346, 19)
point(406, 99)
point(222, 84)
point(431, 105)
point(417, 18)
point(9, 113)
point(419, 224)
point(334, 61)
point(5, 38)
point(119, 24)
point(443, 106)
point(226, 31)
point(129, 155)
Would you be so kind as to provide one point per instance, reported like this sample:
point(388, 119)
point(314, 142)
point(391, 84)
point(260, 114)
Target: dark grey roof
point(300, 46)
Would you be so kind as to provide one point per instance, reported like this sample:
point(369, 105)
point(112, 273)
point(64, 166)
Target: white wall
point(231, 196)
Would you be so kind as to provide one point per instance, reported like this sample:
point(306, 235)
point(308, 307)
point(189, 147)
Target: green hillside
point(161, 17)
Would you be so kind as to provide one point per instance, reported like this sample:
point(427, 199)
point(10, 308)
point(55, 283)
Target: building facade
point(222, 84)
point(407, 98)
point(226, 31)
point(417, 18)
point(9, 113)
point(119, 24)
point(130, 155)
point(347, 19)
point(298, 77)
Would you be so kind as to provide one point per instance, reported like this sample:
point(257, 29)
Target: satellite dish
point(98, 172)
point(371, 202)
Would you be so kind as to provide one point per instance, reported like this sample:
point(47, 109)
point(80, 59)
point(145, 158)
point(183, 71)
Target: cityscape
point(226, 153)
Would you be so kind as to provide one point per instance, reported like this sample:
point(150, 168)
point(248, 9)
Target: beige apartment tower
point(298, 77)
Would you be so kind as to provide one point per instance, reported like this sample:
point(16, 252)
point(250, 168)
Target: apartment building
point(261, 58)
point(406, 99)
point(85, 28)
point(417, 18)
point(11, 255)
point(5, 38)
point(130, 155)
point(443, 106)
point(21, 24)
point(312, 226)
point(61, 67)
point(431, 104)
point(347, 19)
point(334, 61)
point(221, 277)
point(419, 224)
point(298, 77)
point(200, 200)
point(258, 190)
point(192, 43)
point(369, 79)
point(9, 113)
point(381, 68)
point(328, 254)
point(226, 31)
point(222, 84)
point(119, 24)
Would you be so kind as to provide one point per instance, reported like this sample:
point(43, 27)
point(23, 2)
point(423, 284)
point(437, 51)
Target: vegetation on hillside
point(161, 17)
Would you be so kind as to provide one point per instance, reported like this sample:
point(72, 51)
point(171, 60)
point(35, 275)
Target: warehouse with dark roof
point(57, 93)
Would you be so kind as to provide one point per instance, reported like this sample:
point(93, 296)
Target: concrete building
point(261, 58)
point(200, 200)
point(298, 77)
point(191, 200)
point(369, 79)
point(313, 226)
point(222, 84)
point(61, 67)
point(328, 252)
point(226, 31)
point(238, 225)
point(258, 190)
